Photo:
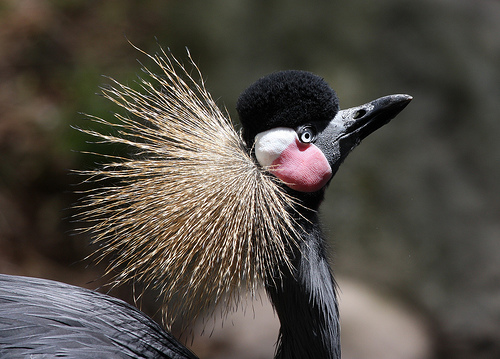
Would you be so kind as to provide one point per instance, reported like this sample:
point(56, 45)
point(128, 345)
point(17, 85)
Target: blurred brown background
point(414, 213)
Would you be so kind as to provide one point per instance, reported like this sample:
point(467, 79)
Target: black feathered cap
point(285, 99)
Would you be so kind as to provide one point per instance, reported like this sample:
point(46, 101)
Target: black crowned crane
point(203, 214)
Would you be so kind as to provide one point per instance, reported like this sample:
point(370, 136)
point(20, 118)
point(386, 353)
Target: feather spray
point(190, 214)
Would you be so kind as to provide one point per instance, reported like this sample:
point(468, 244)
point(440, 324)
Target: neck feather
point(306, 302)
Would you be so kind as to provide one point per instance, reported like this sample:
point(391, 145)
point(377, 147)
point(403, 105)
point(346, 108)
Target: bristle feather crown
point(190, 214)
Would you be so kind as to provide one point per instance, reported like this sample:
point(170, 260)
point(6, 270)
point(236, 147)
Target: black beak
point(352, 125)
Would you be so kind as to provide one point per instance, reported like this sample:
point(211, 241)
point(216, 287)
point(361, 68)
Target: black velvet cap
point(285, 99)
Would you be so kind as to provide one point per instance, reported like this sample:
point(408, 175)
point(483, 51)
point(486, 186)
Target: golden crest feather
point(191, 214)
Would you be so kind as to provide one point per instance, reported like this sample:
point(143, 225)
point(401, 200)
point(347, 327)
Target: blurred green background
point(414, 212)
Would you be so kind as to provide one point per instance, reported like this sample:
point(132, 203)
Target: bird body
point(40, 318)
point(203, 212)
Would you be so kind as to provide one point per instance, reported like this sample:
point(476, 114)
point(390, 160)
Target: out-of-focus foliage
point(414, 210)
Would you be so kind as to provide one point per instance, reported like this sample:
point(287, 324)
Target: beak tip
point(399, 102)
point(406, 98)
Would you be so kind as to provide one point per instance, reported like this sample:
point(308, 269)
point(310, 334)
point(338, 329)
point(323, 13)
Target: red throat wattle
point(302, 167)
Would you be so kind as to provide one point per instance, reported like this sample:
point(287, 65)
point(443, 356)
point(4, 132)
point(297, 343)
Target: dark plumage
point(40, 318)
point(202, 214)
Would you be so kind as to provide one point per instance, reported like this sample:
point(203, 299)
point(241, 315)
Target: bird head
point(293, 126)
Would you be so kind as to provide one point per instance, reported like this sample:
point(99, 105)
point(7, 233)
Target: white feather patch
point(270, 144)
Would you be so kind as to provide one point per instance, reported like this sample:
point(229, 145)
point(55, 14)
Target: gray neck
point(306, 302)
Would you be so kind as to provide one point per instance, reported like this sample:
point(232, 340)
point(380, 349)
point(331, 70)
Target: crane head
point(292, 121)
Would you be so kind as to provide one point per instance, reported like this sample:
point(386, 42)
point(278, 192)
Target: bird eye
point(307, 134)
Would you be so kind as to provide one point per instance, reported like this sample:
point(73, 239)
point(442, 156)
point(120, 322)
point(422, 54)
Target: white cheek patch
point(270, 144)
